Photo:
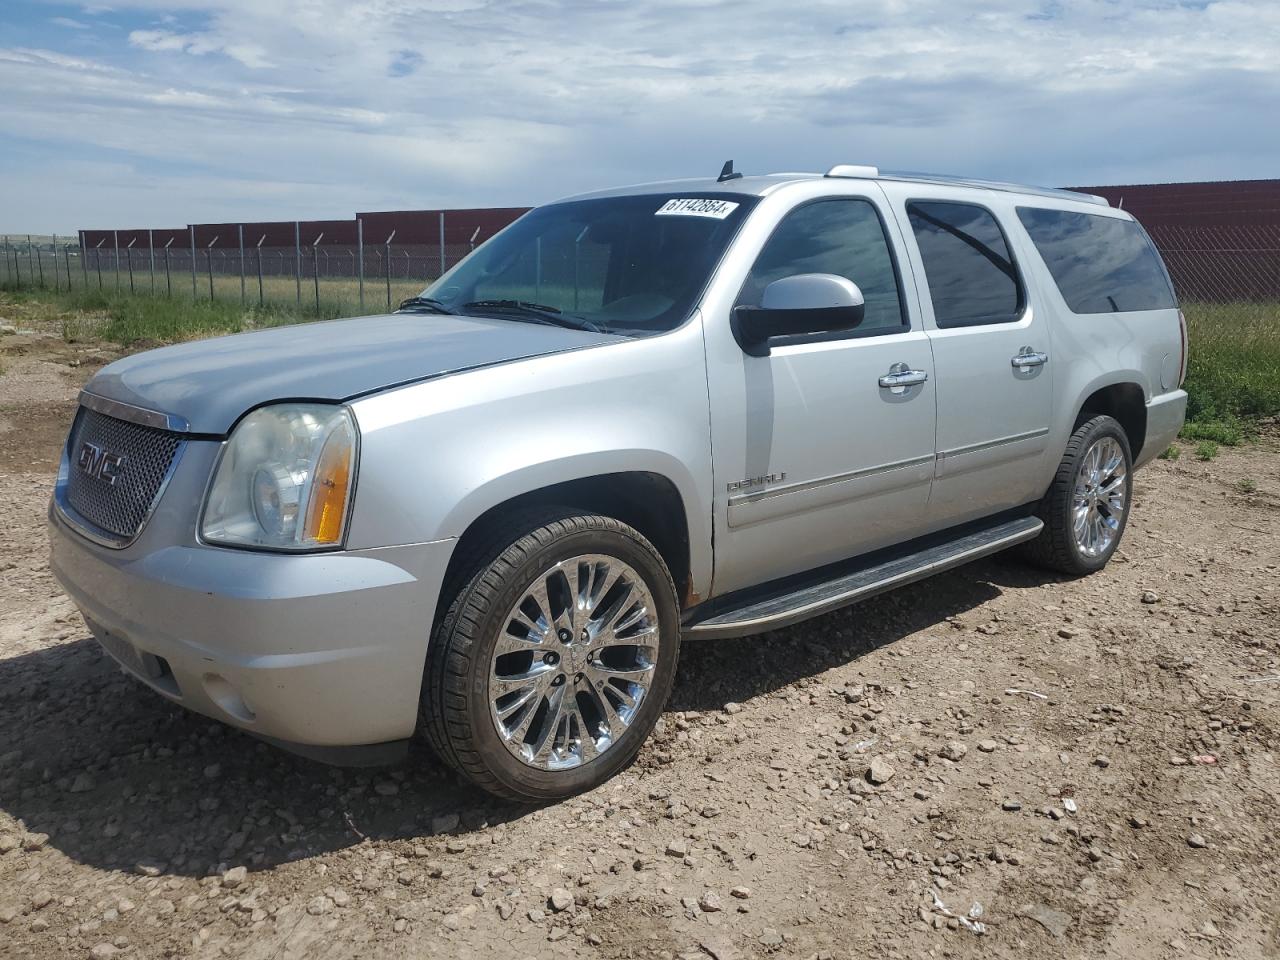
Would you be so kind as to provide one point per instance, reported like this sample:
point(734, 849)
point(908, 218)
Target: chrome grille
point(117, 500)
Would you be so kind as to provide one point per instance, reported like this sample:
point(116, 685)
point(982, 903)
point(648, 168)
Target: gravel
point(803, 798)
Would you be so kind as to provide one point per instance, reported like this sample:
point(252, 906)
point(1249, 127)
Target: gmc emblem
point(99, 463)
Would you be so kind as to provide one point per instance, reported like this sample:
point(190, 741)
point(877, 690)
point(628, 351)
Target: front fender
point(436, 456)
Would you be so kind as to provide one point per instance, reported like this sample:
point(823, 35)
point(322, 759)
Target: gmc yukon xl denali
point(702, 408)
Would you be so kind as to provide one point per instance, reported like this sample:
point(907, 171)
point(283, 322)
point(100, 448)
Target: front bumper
point(1165, 416)
point(312, 651)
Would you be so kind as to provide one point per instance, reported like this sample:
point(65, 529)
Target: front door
point(815, 461)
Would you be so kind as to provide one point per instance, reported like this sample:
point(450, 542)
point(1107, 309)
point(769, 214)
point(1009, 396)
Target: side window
point(967, 263)
point(844, 237)
point(1100, 264)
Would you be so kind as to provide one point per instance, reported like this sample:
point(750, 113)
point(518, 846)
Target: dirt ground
point(1094, 762)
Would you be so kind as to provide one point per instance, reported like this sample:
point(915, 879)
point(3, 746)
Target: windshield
point(631, 265)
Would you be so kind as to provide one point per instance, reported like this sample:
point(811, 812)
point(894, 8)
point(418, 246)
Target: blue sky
point(148, 113)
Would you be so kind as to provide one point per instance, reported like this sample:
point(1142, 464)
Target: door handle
point(900, 375)
point(1029, 358)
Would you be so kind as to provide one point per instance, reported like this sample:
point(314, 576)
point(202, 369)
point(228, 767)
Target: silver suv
point(704, 408)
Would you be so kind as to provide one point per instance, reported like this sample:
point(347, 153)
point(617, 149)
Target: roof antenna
point(726, 173)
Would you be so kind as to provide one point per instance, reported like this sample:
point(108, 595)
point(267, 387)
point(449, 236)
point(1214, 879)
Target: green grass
point(1247, 485)
point(1230, 432)
point(1206, 450)
point(1172, 452)
point(145, 319)
point(1233, 371)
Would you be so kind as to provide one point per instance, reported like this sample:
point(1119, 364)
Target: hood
point(210, 383)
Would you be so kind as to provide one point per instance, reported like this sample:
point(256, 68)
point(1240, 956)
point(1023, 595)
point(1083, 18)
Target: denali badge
point(756, 481)
point(99, 463)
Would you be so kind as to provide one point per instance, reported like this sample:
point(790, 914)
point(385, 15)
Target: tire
point(1064, 545)
point(459, 710)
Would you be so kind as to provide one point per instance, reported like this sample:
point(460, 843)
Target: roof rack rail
point(1000, 185)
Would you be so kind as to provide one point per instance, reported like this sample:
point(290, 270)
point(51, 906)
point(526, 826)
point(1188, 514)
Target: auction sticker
point(696, 207)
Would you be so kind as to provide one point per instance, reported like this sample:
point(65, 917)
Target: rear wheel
point(1087, 506)
point(554, 661)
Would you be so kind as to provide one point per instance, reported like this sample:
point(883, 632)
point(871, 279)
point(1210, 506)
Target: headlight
point(284, 479)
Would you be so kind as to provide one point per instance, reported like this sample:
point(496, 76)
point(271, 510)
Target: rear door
point(991, 353)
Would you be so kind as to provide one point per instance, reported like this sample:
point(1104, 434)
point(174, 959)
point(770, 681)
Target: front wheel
point(1087, 505)
point(554, 661)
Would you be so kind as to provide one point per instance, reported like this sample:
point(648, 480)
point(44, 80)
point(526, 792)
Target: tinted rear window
point(1101, 264)
point(971, 274)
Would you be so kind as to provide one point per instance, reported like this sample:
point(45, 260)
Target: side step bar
point(772, 612)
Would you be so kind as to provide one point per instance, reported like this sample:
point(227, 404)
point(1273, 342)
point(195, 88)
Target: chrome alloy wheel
point(573, 662)
point(1099, 498)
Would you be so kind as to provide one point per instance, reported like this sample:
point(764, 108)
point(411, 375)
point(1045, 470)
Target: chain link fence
point(1237, 267)
point(314, 277)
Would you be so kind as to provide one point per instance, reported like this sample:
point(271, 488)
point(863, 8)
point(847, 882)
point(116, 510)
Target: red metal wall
point(410, 226)
point(1215, 204)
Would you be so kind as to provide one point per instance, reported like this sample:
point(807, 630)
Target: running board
point(782, 609)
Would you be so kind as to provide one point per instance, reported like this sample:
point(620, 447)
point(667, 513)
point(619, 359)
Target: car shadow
point(715, 672)
point(117, 776)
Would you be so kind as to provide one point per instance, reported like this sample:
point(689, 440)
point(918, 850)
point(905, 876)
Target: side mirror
point(806, 303)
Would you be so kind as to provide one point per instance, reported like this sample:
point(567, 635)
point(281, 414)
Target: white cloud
point(419, 102)
point(199, 44)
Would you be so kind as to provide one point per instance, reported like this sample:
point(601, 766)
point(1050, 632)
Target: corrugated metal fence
point(1219, 248)
point(369, 261)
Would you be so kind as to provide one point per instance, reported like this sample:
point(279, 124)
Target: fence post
point(240, 228)
point(168, 280)
point(53, 246)
point(387, 271)
point(261, 301)
point(360, 270)
point(84, 259)
point(194, 295)
point(151, 246)
point(97, 259)
point(315, 268)
point(441, 244)
point(116, 241)
point(66, 259)
point(208, 259)
point(297, 267)
point(128, 252)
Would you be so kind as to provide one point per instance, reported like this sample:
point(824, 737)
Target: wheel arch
point(1123, 400)
point(646, 500)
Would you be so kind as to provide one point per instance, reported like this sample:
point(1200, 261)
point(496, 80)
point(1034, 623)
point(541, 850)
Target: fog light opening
point(226, 696)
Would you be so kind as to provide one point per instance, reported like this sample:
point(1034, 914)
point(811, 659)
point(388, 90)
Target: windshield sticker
point(694, 207)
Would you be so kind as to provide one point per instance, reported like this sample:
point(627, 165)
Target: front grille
point(117, 470)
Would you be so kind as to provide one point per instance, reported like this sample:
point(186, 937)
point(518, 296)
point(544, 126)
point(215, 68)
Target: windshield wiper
point(425, 304)
point(538, 312)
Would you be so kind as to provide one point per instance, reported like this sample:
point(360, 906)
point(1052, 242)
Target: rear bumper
point(1165, 416)
point(319, 651)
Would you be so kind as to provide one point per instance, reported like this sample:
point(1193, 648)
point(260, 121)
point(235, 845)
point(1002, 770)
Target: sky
point(142, 113)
